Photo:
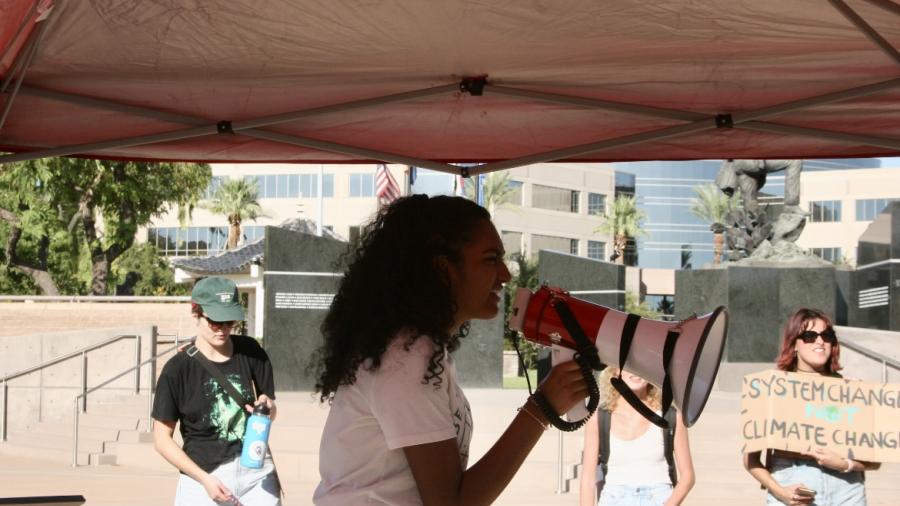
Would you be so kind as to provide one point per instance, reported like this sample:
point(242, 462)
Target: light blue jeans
point(629, 495)
point(833, 488)
point(252, 487)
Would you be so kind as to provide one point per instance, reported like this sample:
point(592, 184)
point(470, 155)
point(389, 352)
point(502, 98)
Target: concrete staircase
point(101, 428)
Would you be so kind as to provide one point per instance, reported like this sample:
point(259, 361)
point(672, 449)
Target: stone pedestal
point(759, 301)
point(301, 279)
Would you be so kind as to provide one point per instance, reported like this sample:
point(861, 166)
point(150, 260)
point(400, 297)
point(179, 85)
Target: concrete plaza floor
point(145, 480)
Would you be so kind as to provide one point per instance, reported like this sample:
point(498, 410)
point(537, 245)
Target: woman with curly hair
point(641, 468)
point(810, 346)
point(399, 426)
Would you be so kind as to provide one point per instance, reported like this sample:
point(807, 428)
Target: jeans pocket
point(612, 494)
point(660, 494)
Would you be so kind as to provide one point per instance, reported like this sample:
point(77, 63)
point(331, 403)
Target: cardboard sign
point(798, 412)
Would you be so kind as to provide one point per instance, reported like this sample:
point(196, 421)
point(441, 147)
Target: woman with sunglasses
point(212, 421)
point(810, 346)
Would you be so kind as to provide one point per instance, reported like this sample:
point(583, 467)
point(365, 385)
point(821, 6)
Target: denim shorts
point(252, 487)
point(631, 495)
point(833, 488)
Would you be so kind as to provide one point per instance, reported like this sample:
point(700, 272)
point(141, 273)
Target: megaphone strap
point(631, 323)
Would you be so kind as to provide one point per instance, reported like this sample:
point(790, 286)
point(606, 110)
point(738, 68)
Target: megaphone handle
point(593, 400)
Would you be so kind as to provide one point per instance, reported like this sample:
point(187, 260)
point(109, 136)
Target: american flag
point(459, 186)
point(386, 187)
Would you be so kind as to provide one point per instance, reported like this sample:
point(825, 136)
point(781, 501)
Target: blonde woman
point(644, 465)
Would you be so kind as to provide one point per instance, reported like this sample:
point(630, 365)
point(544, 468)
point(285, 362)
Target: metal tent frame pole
point(241, 127)
point(866, 28)
point(740, 120)
point(24, 60)
point(699, 123)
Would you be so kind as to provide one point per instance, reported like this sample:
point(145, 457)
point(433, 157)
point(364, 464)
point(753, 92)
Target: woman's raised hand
point(564, 387)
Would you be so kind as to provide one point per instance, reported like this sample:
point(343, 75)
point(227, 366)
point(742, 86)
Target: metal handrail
point(95, 298)
point(81, 399)
point(874, 355)
point(4, 382)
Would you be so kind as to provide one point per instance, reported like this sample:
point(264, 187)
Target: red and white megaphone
point(693, 346)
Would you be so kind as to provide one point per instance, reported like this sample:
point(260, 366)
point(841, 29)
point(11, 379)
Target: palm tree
point(238, 200)
point(623, 221)
point(497, 190)
point(712, 206)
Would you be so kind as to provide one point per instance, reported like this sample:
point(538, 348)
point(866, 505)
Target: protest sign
point(798, 412)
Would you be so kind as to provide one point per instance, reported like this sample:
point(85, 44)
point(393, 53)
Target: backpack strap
point(669, 444)
point(604, 418)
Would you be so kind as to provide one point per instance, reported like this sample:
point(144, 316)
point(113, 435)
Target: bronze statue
point(748, 230)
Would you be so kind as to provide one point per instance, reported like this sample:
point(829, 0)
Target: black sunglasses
point(215, 324)
point(809, 336)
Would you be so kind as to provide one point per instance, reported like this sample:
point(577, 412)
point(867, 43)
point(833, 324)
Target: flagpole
point(321, 189)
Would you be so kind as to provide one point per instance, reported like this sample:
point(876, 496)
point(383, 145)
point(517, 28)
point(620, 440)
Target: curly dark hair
point(392, 284)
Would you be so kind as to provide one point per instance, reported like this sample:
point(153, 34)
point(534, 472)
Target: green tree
point(497, 190)
point(712, 206)
point(524, 275)
point(141, 271)
point(41, 248)
point(238, 200)
point(634, 305)
point(623, 221)
point(94, 208)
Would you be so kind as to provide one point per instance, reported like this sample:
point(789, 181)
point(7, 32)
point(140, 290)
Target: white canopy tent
point(504, 83)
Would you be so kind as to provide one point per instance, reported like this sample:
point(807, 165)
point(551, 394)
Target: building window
point(512, 242)
point(596, 250)
point(515, 193)
point(252, 233)
point(362, 185)
point(825, 211)
point(289, 186)
point(213, 187)
point(868, 209)
point(554, 199)
point(573, 246)
point(552, 243)
point(191, 241)
point(828, 254)
point(596, 204)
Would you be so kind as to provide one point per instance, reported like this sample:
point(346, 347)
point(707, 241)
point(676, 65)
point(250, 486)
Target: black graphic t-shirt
point(212, 424)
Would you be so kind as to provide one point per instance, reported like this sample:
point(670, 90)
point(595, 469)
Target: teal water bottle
point(256, 438)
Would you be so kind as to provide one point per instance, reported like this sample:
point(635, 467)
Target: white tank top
point(640, 461)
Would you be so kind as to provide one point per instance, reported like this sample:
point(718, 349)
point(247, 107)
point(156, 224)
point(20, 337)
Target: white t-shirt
point(361, 459)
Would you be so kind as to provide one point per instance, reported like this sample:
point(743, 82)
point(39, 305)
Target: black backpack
point(668, 445)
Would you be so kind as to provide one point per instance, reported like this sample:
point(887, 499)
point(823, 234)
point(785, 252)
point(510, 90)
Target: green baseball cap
point(219, 299)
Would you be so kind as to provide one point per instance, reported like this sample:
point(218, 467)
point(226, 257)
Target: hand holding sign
point(827, 458)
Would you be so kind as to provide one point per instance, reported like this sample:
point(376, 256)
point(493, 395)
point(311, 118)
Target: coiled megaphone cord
point(587, 359)
point(593, 398)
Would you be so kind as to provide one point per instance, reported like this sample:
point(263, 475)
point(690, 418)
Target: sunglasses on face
point(217, 325)
point(809, 336)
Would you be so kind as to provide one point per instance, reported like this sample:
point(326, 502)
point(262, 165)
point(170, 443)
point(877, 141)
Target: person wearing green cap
point(190, 392)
